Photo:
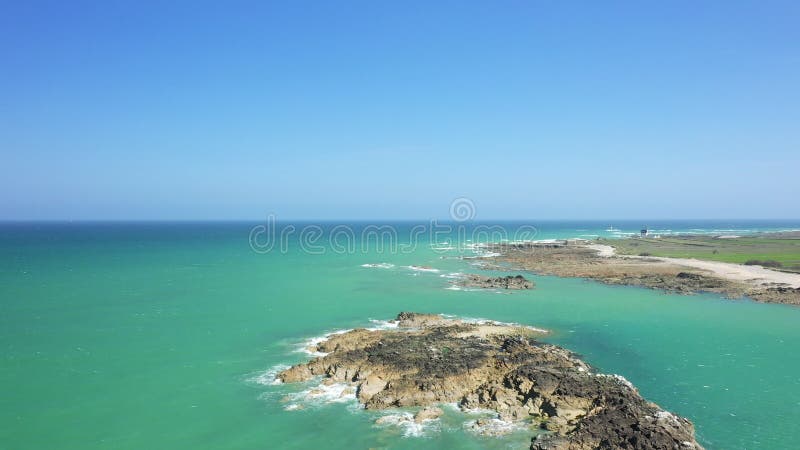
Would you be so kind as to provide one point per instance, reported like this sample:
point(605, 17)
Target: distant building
point(644, 232)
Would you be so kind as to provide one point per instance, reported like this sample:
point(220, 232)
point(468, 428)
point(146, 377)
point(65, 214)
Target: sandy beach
point(601, 262)
point(756, 275)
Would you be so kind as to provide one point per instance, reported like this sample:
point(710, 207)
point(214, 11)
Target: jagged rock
point(416, 320)
point(429, 359)
point(779, 294)
point(371, 386)
point(295, 374)
point(506, 282)
point(427, 413)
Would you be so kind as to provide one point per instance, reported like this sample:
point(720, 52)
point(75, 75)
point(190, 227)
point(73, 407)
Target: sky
point(366, 110)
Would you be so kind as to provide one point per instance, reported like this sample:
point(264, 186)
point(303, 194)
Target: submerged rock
point(429, 359)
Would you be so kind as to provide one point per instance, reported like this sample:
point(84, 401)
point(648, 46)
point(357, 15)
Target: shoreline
point(584, 259)
point(754, 274)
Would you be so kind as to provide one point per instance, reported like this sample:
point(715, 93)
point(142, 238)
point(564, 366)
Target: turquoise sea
point(165, 335)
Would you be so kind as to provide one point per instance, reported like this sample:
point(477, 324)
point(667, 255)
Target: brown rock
point(295, 374)
point(371, 386)
point(428, 412)
point(507, 282)
point(434, 360)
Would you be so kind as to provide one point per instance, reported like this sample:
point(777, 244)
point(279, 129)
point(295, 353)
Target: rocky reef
point(429, 360)
point(506, 282)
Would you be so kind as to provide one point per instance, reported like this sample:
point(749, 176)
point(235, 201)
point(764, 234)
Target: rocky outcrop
point(428, 413)
point(430, 359)
point(506, 282)
point(778, 294)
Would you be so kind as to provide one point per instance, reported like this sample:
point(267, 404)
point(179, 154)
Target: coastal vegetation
point(659, 264)
point(779, 251)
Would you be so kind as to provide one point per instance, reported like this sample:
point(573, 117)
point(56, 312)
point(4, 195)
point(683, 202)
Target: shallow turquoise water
point(130, 336)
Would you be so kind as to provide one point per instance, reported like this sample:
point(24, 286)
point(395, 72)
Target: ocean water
point(168, 335)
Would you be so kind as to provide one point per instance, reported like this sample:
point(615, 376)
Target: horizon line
point(415, 220)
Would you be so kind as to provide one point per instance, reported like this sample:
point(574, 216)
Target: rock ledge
point(506, 282)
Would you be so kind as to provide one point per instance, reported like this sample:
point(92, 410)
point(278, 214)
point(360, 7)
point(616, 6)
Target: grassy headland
point(684, 264)
point(780, 251)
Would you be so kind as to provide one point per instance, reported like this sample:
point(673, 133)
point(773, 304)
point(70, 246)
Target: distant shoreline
point(601, 260)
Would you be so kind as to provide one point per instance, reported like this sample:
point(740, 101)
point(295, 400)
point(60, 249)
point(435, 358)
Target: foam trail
point(383, 325)
point(491, 427)
point(423, 269)
point(309, 345)
point(270, 376)
point(378, 265)
point(405, 421)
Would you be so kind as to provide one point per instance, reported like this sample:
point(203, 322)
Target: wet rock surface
point(780, 294)
point(506, 282)
point(429, 359)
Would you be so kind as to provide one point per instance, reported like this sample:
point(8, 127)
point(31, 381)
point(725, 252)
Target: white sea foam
point(480, 255)
point(491, 427)
point(406, 423)
point(475, 411)
point(321, 394)
point(455, 287)
point(618, 378)
point(378, 265)
point(270, 376)
point(453, 406)
point(423, 269)
point(667, 416)
point(309, 345)
point(383, 325)
point(453, 275)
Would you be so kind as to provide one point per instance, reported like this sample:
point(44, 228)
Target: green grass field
point(783, 249)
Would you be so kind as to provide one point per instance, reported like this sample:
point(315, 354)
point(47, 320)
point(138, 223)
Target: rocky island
point(429, 360)
point(514, 282)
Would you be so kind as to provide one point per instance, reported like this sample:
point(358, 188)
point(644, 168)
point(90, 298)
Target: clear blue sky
point(535, 109)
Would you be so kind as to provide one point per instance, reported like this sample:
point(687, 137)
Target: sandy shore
point(604, 251)
point(739, 272)
point(600, 262)
point(755, 275)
